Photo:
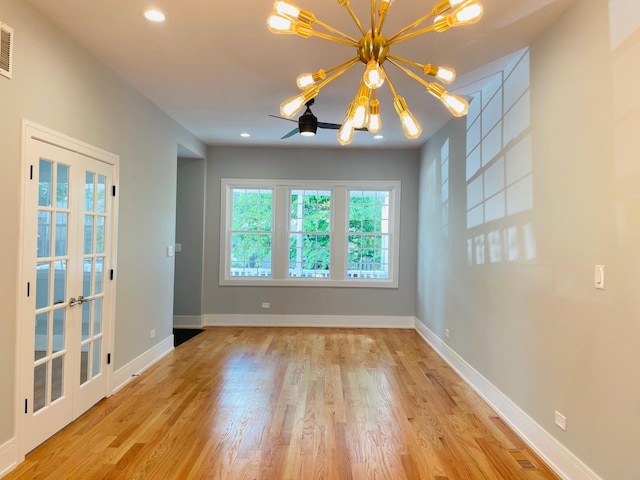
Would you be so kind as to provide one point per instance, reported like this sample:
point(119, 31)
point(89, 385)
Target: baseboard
point(557, 456)
point(187, 321)
point(9, 456)
point(317, 321)
point(125, 374)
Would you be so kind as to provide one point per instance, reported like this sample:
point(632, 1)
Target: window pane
point(62, 187)
point(59, 282)
point(57, 378)
point(58, 330)
point(44, 234)
point(96, 364)
point(251, 236)
point(61, 234)
point(309, 255)
point(368, 256)
point(250, 255)
point(89, 192)
point(45, 183)
point(40, 387)
point(42, 336)
point(42, 285)
point(252, 210)
point(101, 193)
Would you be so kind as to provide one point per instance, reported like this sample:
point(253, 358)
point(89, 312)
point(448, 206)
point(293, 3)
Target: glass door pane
point(50, 346)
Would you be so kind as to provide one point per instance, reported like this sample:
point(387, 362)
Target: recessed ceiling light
point(245, 135)
point(154, 16)
point(378, 137)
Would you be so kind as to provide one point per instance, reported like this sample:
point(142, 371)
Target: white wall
point(57, 85)
point(312, 164)
point(521, 308)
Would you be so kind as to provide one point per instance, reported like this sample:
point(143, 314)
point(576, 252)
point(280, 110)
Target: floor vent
point(6, 50)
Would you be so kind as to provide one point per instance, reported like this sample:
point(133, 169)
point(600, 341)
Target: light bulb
point(306, 79)
point(444, 74)
point(292, 106)
point(468, 12)
point(375, 121)
point(458, 106)
point(362, 107)
point(373, 75)
point(283, 25)
point(279, 24)
point(286, 8)
point(345, 133)
point(360, 116)
point(410, 125)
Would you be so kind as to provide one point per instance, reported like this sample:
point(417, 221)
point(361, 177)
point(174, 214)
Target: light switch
point(599, 277)
point(170, 251)
point(178, 247)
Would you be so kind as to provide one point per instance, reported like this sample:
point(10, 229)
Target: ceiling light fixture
point(154, 16)
point(245, 135)
point(373, 50)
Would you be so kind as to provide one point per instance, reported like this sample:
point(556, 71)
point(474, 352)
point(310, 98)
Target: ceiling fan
point(308, 123)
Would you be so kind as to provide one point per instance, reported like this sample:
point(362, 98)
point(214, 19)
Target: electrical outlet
point(152, 334)
point(561, 420)
point(266, 305)
point(447, 333)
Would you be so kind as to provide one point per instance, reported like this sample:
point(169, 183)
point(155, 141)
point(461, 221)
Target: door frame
point(33, 132)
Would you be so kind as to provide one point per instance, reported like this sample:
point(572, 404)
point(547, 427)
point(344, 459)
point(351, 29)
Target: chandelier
point(373, 50)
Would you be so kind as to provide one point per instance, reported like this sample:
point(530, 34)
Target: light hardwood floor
point(290, 403)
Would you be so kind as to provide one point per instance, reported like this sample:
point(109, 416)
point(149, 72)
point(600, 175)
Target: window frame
point(339, 232)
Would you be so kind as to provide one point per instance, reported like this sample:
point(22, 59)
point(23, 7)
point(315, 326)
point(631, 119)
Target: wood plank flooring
point(290, 404)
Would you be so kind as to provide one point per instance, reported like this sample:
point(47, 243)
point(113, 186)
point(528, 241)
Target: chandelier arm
point(349, 62)
point(391, 87)
point(404, 60)
point(342, 69)
point(373, 18)
point(336, 31)
point(415, 24)
point(334, 39)
point(411, 74)
point(398, 39)
point(355, 18)
point(382, 14)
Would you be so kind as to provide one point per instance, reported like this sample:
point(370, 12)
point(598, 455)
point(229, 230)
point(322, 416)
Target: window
point(310, 233)
point(276, 232)
point(368, 234)
point(251, 232)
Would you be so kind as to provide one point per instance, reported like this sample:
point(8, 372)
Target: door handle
point(80, 300)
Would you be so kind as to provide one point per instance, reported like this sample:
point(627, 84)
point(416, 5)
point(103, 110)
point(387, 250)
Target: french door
point(66, 311)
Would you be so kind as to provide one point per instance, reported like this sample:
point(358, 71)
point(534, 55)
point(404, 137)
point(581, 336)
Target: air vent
point(6, 49)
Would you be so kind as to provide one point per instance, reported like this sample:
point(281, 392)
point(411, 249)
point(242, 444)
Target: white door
point(66, 311)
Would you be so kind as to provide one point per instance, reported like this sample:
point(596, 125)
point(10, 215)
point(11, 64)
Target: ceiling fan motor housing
point(308, 123)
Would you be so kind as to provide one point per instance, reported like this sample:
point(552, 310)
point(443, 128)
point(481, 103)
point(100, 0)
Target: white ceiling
point(216, 69)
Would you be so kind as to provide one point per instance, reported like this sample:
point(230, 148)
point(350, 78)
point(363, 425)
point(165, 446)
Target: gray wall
point(312, 164)
point(528, 317)
point(57, 85)
point(187, 298)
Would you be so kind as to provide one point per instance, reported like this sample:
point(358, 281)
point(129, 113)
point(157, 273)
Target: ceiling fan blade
point(291, 133)
point(329, 126)
point(282, 118)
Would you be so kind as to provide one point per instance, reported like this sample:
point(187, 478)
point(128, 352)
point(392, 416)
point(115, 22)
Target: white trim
point(135, 367)
point(281, 190)
point(9, 456)
point(556, 455)
point(33, 132)
point(187, 321)
point(335, 321)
